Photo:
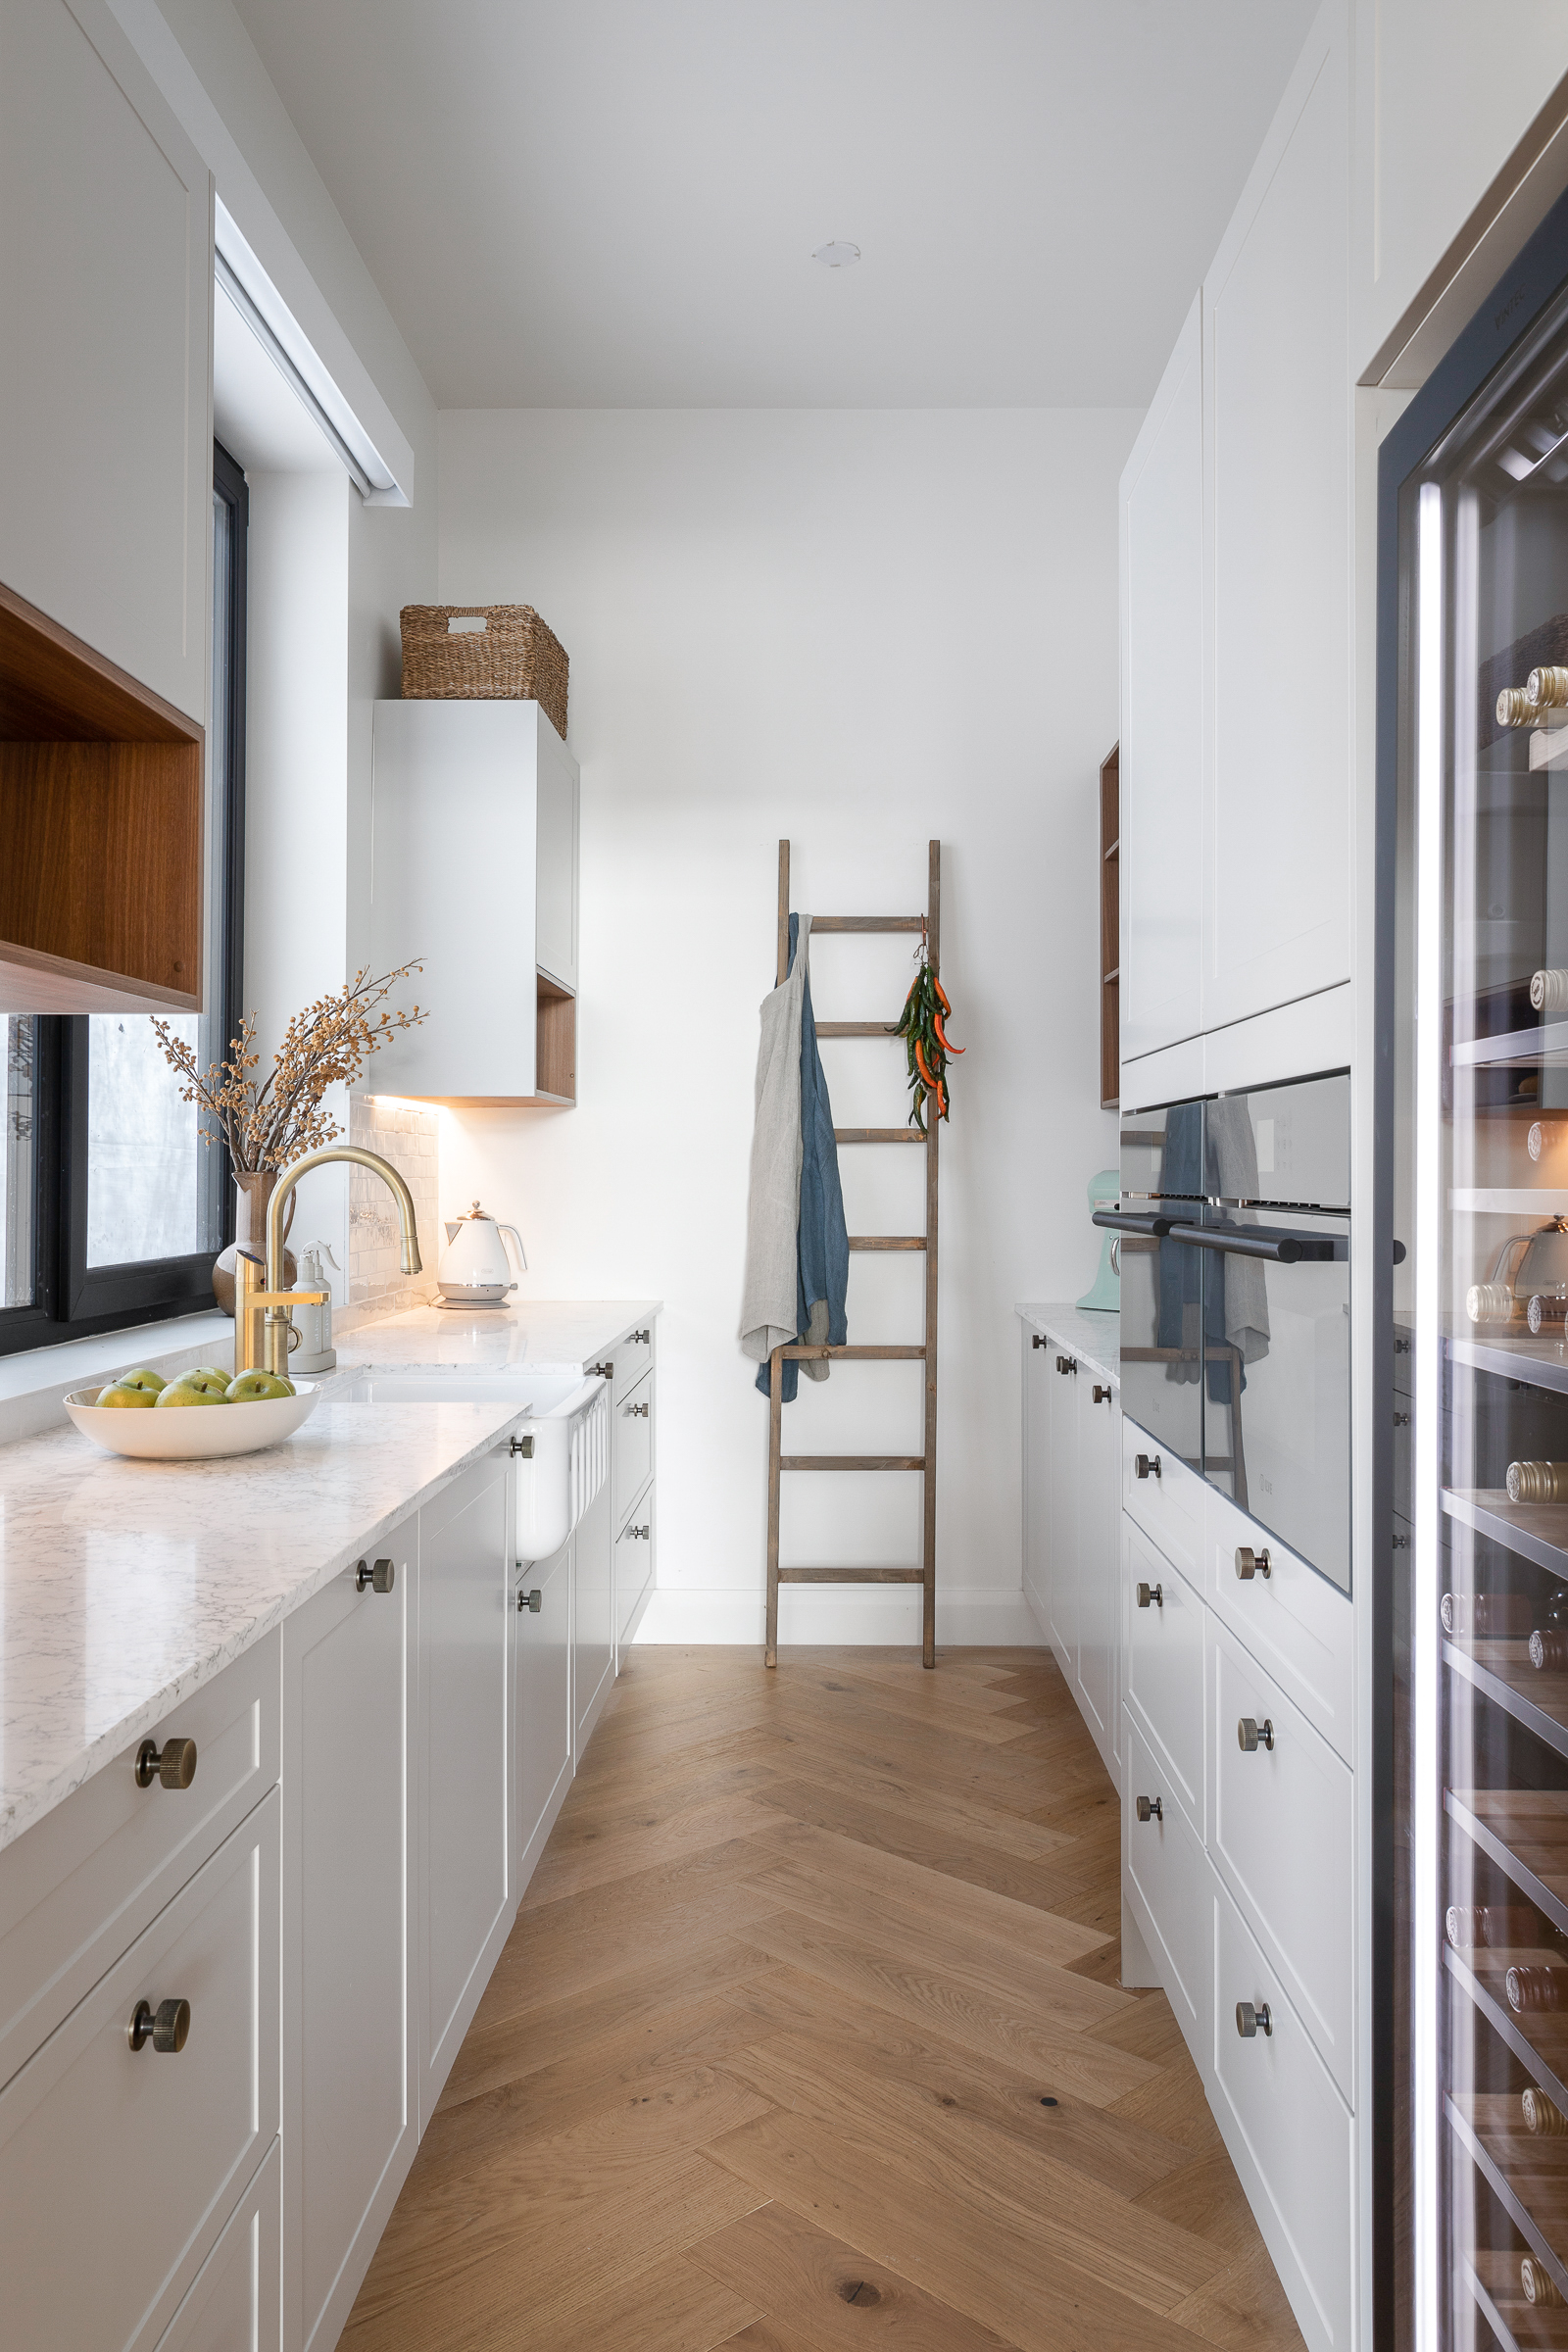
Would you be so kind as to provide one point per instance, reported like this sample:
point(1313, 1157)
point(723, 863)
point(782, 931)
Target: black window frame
point(71, 1300)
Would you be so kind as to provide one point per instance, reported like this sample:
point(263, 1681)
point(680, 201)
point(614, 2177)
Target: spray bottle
point(315, 1353)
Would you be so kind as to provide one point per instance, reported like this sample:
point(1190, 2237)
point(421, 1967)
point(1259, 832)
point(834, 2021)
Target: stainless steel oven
point(1234, 1241)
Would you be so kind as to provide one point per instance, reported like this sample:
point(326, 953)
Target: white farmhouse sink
point(569, 1435)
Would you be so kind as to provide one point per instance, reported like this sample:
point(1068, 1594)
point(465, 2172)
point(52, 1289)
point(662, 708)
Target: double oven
point(1233, 1238)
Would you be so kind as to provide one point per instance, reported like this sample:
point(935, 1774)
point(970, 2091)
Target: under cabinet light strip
point(290, 373)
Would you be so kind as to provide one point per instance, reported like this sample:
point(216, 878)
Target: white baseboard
point(1037, 1610)
point(888, 1616)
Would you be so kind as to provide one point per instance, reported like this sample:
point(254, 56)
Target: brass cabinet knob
point(1040, 1340)
point(1250, 1563)
point(172, 1766)
point(1150, 1595)
point(380, 1579)
point(522, 1446)
point(1101, 1395)
point(632, 1411)
point(167, 2028)
point(1251, 1735)
point(1145, 1465)
point(1250, 2021)
point(530, 1601)
point(1150, 1809)
point(640, 1532)
point(602, 1371)
point(1066, 1363)
point(642, 1339)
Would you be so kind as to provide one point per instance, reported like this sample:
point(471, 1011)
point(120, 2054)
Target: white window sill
point(34, 1384)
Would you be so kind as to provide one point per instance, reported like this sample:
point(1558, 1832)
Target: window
point(112, 1205)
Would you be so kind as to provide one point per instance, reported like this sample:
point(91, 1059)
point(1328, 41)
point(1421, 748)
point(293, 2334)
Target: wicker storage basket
point(506, 654)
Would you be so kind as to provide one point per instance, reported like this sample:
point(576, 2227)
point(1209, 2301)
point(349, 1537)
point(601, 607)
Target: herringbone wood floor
point(809, 2035)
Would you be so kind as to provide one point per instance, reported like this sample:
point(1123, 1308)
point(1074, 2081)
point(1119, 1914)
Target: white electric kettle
point(474, 1269)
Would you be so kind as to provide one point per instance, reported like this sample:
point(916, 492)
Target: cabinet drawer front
point(233, 2306)
point(634, 1562)
point(1290, 2132)
point(1165, 1665)
point(542, 1686)
point(1282, 1832)
point(632, 1446)
point(1167, 1868)
point(79, 1886)
point(1295, 1622)
point(119, 2167)
point(1169, 1507)
point(633, 1357)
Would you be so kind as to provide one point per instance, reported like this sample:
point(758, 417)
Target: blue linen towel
point(822, 1242)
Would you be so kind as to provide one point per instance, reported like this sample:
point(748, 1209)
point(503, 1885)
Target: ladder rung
point(850, 1461)
point(865, 1355)
point(887, 1241)
point(855, 1029)
point(867, 923)
point(877, 1135)
point(851, 1576)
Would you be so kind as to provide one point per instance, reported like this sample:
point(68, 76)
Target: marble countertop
point(125, 1586)
point(1094, 1335)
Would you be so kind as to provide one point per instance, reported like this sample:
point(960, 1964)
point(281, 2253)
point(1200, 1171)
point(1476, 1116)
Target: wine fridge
point(1470, 1480)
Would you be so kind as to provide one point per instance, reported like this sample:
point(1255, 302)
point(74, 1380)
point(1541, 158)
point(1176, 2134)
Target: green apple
point(258, 1387)
point(120, 1395)
point(141, 1378)
point(190, 1392)
point(208, 1382)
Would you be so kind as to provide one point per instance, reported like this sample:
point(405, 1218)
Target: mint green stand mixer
point(1104, 1295)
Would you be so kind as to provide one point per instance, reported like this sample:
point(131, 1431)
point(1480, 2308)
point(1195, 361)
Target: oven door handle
point(1126, 1221)
point(1280, 1249)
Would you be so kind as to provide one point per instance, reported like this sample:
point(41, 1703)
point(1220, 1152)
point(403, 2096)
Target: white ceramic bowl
point(194, 1432)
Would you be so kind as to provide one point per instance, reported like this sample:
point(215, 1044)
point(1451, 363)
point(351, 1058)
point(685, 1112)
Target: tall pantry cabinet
point(1236, 551)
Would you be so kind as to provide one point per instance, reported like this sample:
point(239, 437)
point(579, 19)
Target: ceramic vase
point(251, 1193)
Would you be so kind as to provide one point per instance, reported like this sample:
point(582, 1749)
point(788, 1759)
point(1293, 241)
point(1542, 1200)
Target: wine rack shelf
point(1541, 1362)
point(1518, 2326)
point(1534, 1854)
point(1517, 2167)
point(1502, 1672)
point(1545, 2056)
point(1536, 1531)
point(1544, 1041)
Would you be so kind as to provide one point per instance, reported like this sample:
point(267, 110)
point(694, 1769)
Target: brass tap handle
point(380, 1579)
point(167, 2028)
point(172, 1766)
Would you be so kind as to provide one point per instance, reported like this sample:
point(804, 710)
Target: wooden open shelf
point(1110, 929)
point(101, 823)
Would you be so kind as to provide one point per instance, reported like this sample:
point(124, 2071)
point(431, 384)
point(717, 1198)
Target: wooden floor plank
point(810, 2033)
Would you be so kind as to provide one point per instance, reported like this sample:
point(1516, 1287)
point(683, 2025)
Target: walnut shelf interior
point(101, 817)
point(554, 1057)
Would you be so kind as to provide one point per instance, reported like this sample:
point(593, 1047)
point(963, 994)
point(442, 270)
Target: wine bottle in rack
point(1548, 1310)
point(1534, 1987)
point(1545, 1136)
point(1500, 1927)
point(1543, 2116)
point(1548, 1650)
point(1486, 1616)
point(1540, 2288)
point(1538, 1482)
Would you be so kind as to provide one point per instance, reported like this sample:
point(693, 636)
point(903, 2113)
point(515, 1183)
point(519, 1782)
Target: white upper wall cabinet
point(1446, 90)
point(1279, 416)
point(1161, 709)
point(473, 867)
point(106, 275)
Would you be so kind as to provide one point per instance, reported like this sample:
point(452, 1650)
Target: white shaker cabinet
point(1278, 404)
point(1161, 748)
point(1072, 1438)
point(542, 1714)
point(106, 277)
point(349, 2123)
point(594, 1617)
point(1098, 1661)
point(460, 1756)
point(473, 867)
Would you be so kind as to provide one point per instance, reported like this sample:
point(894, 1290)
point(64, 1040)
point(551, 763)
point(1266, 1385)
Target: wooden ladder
point(926, 1461)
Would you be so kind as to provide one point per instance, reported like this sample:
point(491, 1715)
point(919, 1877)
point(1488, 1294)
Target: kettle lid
point(483, 1214)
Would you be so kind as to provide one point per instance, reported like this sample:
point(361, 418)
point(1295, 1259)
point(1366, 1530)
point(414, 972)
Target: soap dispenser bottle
point(315, 1352)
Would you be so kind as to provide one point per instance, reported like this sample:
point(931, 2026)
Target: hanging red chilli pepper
point(926, 1045)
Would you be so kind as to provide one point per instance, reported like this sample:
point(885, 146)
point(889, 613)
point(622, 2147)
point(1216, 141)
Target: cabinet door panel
point(1061, 1413)
point(1277, 381)
point(120, 2166)
point(464, 1656)
point(1099, 1508)
point(1039, 1371)
point(542, 1742)
point(1169, 1876)
point(556, 944)
point(233, 2306)
point(635, 1564)
point(593, 1663)
point(348, 2062)
point(106, 279)
point(631, 1443)
point(1162, 709)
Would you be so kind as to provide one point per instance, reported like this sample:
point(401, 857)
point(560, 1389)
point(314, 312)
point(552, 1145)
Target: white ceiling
point(615, 203)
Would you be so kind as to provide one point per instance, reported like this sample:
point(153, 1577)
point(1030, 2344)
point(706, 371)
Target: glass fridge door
point(1480, 1353)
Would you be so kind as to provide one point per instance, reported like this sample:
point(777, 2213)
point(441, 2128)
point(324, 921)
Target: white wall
point(857, 630)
